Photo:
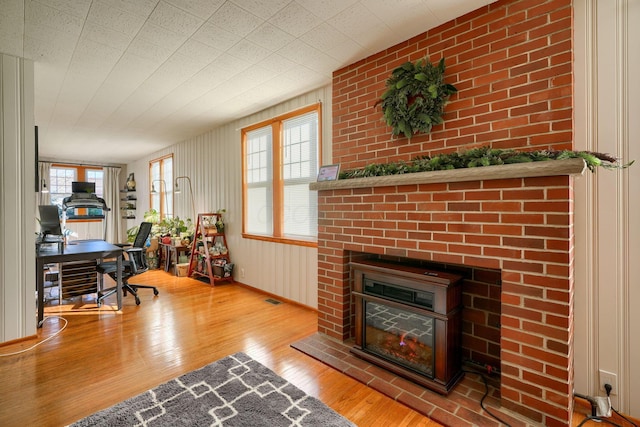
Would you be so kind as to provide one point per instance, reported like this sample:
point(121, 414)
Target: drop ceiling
point(116, 80)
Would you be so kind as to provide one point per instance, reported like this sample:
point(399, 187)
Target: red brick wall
point(481, 299)
point(512, 64)
point(521, 227)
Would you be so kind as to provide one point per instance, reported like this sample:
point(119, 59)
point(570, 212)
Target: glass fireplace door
point(399, 335)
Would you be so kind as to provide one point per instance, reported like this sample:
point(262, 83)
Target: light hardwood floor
point(99, 360)
point(102, 359)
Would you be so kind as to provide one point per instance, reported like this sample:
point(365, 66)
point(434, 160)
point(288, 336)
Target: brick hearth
point(460, 408)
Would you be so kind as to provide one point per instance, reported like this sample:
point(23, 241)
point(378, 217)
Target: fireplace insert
point(408, 320)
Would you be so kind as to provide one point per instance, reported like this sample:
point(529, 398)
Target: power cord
point(44, 340)
point(608, 388)
point(486, 393)
point(594, 410)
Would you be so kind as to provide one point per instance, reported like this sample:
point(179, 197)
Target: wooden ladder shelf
point(209, 251)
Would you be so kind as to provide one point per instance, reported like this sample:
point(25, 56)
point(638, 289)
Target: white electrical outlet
point(609, 378)
point(242, 273)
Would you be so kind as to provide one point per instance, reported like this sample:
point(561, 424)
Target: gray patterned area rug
point(234, 391)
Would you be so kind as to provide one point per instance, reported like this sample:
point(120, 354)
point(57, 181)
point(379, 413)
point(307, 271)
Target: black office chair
point(135, 264)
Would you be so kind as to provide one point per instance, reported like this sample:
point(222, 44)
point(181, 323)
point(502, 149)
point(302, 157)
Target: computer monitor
point(49, 221)
point(80, 187)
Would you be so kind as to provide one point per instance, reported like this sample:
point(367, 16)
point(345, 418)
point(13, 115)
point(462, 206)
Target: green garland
point(484, 156)
point(415, 97)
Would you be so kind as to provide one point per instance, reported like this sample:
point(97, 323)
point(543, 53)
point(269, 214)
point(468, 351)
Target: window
point(280, 159)
point(161, 183)
point(60, 180)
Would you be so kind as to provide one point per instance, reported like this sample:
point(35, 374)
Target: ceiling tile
point(161, 36)
point(57, 49)
point(249, 51)
point(276, 62)
point(323, 37)
point(48, 80)
point(446, 10)
point(198, 51)
point(175, 71)
point(141, 8)
point(270, 36)
point(303, 54)
point(94, 59)
point(216, 36)
point(41, 15)
point(393, 16)
point(232, 63)
point(201, 8)
point(295, 19)
point(108, 16)
point(78, 8)
point(175, 19)
point(132, 70)
point(151, 51)
point(235, 20)
point(106, 36)
point(210, 77)
point(12, 27)
point(261, 8)
point(301, 74)
point(326, 9)
point(251, 78)
point(347, 52)
point(359, 24)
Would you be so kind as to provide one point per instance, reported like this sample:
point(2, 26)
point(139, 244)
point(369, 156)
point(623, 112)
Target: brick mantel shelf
point(516, 170)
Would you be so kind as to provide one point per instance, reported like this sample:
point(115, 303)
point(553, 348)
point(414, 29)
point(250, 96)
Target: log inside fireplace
point(408, 320)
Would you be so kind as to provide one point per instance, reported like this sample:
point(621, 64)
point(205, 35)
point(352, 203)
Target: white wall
point(212, 161)
point(17, 201)
point(607, 119)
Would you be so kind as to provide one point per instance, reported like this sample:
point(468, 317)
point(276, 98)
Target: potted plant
point(152, 216)
point(220, 221)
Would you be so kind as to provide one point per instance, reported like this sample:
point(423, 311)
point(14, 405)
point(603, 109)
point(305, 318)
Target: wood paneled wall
point(17, 201)
point(212, 162)
point(607, 321)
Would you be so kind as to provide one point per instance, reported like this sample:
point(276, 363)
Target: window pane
point(60, 180)
point(300, 147)
point(96, 175)
point(161, 186)
point(258, 176)
point(299, 168)
point(167, 176)
point(258, 155)
point(301, 211)
point(259, 218)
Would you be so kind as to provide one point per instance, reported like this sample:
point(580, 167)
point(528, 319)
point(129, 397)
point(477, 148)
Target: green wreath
point(415, 97)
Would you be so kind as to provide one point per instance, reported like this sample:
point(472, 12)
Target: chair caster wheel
point(155, 292)
point(137, 301)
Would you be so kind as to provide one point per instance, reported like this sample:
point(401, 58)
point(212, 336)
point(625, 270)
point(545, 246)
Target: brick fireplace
point(512, 64)
point(520, 226)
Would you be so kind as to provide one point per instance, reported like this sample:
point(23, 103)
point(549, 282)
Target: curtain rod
point(55, 162)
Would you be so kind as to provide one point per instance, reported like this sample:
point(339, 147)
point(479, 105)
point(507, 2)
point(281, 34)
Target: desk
point(171, 255)
point(79, 250)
